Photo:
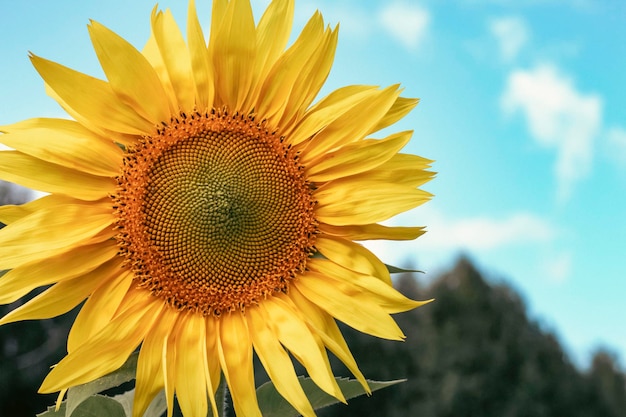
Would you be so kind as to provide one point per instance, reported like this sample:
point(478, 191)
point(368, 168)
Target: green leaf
point(50, 412)
point(397, 270)
point(99, 406)
point(76, 395)
point(157, 407)
point(272, 404)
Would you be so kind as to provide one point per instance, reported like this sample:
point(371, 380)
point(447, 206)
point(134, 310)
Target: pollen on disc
point(214, 213)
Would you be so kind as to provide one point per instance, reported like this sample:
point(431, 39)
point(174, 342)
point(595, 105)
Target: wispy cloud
point(447, 236)
point(406, 22)
point(511, 33)
point(616, 138)
point(558, 267)
point(558, 116)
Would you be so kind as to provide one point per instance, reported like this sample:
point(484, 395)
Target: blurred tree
point(474, 352)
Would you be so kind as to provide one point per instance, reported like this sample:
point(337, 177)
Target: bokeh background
point(523, 111)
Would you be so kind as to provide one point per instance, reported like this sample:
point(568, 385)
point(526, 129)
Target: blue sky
point(522, 108)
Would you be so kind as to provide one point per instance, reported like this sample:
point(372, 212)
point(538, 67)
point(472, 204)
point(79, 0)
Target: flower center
point(214, 213)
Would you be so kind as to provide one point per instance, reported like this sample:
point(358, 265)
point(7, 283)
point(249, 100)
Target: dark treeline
point(472, 352)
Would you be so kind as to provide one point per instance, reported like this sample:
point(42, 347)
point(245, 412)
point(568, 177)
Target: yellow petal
point(191, 389)
point(199, 53)
point(50, 231)
point(363, 315)
point(211, 361)
point(372, 232)
point(352, 256)
point(130, 75)
point(168, 362)
point(175, 57)
point(280, 82)
point(102, 305)
point(12, 213)
point(273, 34)
point(112, 346)
point(66, 143)
point(402, 169)
point(356, 202)
point(149, 381)
point(376, 291)
point(235, 353)
point(311, 79)
point(277, 363)
point(356, 157)
point(78, 261)
point(44, 176)
point(56, 300)
point(233, 48)
point(327, 110)
point(400, 108)
point(153, 55)
point(293, 333)
point(326, 328)
point(351, 126)
point(92, 98)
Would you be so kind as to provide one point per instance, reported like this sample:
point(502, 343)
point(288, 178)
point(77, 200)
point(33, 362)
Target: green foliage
point(77, 395)
point(273, 405)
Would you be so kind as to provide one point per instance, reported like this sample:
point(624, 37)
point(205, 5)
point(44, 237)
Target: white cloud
point(477, 235)
point(616, 137)
point(558, 116)
point(406, 22)
point(558, 267)
point(485, 233)
point(511, 33)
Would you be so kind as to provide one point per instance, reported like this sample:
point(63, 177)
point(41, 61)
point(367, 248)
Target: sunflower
point(205, 210)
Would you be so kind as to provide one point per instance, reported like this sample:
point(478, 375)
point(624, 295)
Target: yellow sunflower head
point(203, 208)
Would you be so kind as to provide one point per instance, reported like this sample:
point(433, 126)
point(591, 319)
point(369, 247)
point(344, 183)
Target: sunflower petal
point(273, 34)
point(375, 290)
point(362, 202)
point(277, 363)
point(92, 98)
point(56, 300)
point(112, 346)
point(26, 171)
point(361, 314)
point(149, 380)
point(64, 142)
point(235, 353)
point(130, 75)
point(200, 63)
point(49, 232)
point(280, 82)
point(12, 213)
point(191, 389)
point(357, 157)
point(352, 256)
point(351, 126)
point(372, 231)
point(78, 261)
point(102, 305)
point(176, 58)
point(327, 111)
point(400, 108)
point(295, 336)
point(233, 48)
point(326, 328)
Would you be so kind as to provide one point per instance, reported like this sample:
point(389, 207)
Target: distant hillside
point(474, 352)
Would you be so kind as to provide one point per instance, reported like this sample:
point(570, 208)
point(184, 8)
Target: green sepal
point(272, 404)
point(94, 406)
point(397, 270)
